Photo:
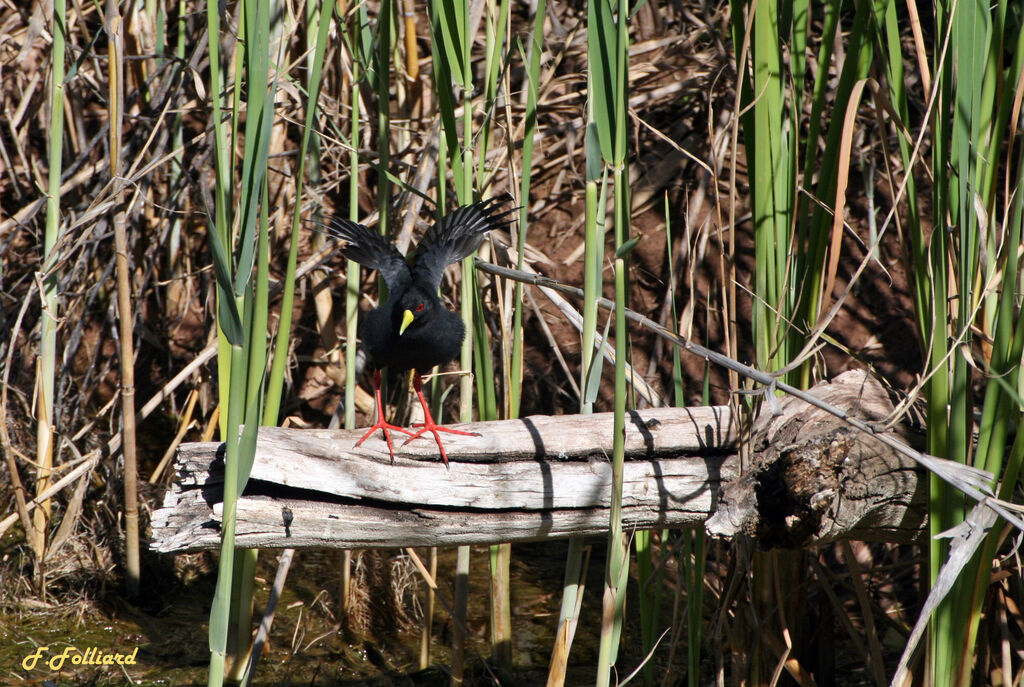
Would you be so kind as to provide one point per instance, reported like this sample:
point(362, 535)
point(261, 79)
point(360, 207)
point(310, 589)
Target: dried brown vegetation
point(682, 80)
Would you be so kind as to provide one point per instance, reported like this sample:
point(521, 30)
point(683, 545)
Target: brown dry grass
point(681, 79)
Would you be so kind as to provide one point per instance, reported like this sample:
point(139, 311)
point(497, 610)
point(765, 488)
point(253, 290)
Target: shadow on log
point(812, 479)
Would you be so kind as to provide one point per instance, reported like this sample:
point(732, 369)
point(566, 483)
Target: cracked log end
point(815, 479)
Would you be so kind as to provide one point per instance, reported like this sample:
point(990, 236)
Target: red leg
point(428, 424)
point(382, 424)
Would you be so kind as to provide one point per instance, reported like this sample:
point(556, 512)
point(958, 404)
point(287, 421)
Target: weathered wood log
point(550, 477)
point(815, 478)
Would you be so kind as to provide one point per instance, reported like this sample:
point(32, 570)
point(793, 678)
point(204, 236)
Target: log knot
point(814, 478)
point(797, 486)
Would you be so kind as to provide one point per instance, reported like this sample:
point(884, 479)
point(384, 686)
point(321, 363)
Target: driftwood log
point(811, 479)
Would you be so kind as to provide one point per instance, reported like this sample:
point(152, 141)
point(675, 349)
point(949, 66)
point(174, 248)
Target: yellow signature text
point(91, 656)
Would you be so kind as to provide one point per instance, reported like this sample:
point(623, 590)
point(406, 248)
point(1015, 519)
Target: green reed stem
point(48, 318)
point(275, 382)
point(608, 44)
point(593, 250)
point(529, 128)
point(352, 268)
point(242, 316)
point(382, 83)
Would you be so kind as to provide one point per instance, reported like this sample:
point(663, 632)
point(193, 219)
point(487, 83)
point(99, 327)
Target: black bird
point(412, 330)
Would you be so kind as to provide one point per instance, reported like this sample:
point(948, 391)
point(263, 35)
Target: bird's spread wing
point(369, 249)
point(457, 235)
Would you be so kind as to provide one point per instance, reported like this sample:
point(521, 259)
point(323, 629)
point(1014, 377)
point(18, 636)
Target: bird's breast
point(425, 343)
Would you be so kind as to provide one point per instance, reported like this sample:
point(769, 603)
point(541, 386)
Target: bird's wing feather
point(457, 235)
point(369, 249)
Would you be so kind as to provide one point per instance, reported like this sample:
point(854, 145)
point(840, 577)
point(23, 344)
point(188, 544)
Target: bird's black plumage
point(433, 337)
point(434, 334)
point(412, 329)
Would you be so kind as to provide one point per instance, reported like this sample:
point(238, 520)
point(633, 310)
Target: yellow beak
point(407, 318)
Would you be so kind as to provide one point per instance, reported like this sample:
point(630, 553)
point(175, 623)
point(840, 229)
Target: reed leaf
point(242, 307)
point(275, 382)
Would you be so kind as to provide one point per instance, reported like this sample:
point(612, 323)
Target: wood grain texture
point(811, 480)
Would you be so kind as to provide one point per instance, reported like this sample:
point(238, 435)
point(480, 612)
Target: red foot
point(428, 425)
point(382, 424)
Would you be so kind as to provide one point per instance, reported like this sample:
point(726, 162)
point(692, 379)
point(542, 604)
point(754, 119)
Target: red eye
point(419, 308)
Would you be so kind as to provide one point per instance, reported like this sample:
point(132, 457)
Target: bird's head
point(416, 306)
